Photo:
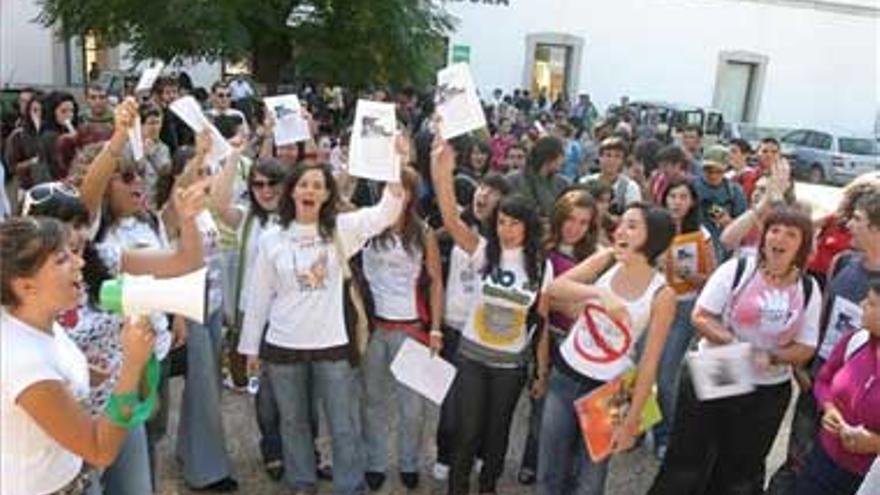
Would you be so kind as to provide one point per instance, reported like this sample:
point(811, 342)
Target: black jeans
point(446, 424)
point(718, 447)
point(484, 409)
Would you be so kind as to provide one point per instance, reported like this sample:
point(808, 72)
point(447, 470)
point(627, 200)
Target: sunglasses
point(262, 184)
point(39, 194)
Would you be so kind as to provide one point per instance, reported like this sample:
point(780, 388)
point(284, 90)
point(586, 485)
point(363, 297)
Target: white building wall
point(822, 65)
point(27, 49)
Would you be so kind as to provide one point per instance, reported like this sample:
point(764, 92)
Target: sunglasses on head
point(261, 184)
point(41, 193)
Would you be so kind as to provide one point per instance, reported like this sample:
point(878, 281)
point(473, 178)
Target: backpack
point(742, 261)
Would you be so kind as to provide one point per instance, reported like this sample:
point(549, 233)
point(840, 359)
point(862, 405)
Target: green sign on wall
point(461, 53)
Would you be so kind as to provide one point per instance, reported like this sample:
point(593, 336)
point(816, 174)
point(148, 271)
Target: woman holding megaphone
point(47, 432)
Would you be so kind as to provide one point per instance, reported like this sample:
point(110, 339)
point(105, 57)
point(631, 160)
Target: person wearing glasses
point(221, 104)
point(250, 220)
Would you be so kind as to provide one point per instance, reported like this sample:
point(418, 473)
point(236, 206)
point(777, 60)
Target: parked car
point(751, 132)
point(671, 118)
point(822, 156)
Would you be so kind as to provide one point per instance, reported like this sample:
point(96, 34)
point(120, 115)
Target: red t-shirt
point(833, 238)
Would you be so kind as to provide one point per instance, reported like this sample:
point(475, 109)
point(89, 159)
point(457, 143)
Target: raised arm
point(189, 203)
point(53, 407)
point(442, 165)
point(104, 165)
point(221, 192)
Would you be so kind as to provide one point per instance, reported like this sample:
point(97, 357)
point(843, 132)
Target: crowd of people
point(487, 250)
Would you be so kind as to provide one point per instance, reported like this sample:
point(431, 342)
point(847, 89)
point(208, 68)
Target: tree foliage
point(351, 42)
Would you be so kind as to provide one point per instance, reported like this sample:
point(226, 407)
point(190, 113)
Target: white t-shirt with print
point(393, 277)
point(602, 349)
point(499, 311)
point(765, 316)
point(298, 280)
point(32, 461)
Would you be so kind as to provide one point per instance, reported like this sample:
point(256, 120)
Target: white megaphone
point(142, 294)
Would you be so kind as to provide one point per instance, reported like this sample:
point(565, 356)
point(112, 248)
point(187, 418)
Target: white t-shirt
point(765, 316)
point(604, 350)
point(393, 276)
point(32, 462)
point(461, 287)
point(499, 311)
point(249, 251)
point(298, 280)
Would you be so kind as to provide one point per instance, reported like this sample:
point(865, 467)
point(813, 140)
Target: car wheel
point(817, 175)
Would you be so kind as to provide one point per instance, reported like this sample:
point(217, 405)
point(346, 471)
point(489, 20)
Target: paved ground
point(631, 474)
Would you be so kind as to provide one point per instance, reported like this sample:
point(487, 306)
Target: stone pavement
point(630, 474)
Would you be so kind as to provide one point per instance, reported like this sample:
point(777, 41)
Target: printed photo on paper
point(457, 102)
point(372, 154)
point(290, 126)
point(723, 371)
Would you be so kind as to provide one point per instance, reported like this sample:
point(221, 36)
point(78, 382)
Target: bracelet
point(140, 410)
point(435, 333)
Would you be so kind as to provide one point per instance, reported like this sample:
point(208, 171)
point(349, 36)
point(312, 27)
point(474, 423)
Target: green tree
point(352, 42)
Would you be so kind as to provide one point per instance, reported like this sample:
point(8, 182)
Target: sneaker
point(478, 465)
point(526, 476)
point(324, 472)
point(660, 452)
point(374, 480)
point(230, 385)
point(440, 471)
point(410, 480)
point(275, 469)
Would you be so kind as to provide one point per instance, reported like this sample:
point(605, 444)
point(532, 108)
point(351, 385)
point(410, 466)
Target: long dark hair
point(272, 169)
point(524, 210)
point(412, 234)
point(691, 220)
point(660, 228)
point(50, 103)
point(327, 214)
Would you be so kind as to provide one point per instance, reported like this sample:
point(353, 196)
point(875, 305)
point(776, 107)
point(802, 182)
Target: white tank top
point(602, 349)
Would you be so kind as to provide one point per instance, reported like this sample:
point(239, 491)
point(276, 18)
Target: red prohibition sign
point(610, 354)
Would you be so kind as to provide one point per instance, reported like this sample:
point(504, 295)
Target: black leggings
point(718, 447)
point(484, 409)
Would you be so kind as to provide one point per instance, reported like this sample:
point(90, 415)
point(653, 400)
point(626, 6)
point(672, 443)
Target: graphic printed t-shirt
point(496, 331)
point(604, 350)
point(767, 317)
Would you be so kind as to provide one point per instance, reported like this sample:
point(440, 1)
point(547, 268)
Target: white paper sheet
point(371, 153)
point(290, 126)
point(457, 102)
point(722, 371)
point(135, 139)
point(429, 376)
point(188, 109)
point(148, 77)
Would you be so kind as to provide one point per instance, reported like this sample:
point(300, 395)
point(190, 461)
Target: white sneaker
point(478, 465)
point(441, 471)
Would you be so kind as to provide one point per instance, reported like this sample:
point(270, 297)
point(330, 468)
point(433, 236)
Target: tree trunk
point(268, 63)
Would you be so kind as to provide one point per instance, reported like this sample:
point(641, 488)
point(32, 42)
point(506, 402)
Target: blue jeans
point(130, 472)
point(335, 382)
point(564, 467)
point(268, 420)
point(201, 442)
point(669, 370)
point(822, 476)
point(382, 349)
